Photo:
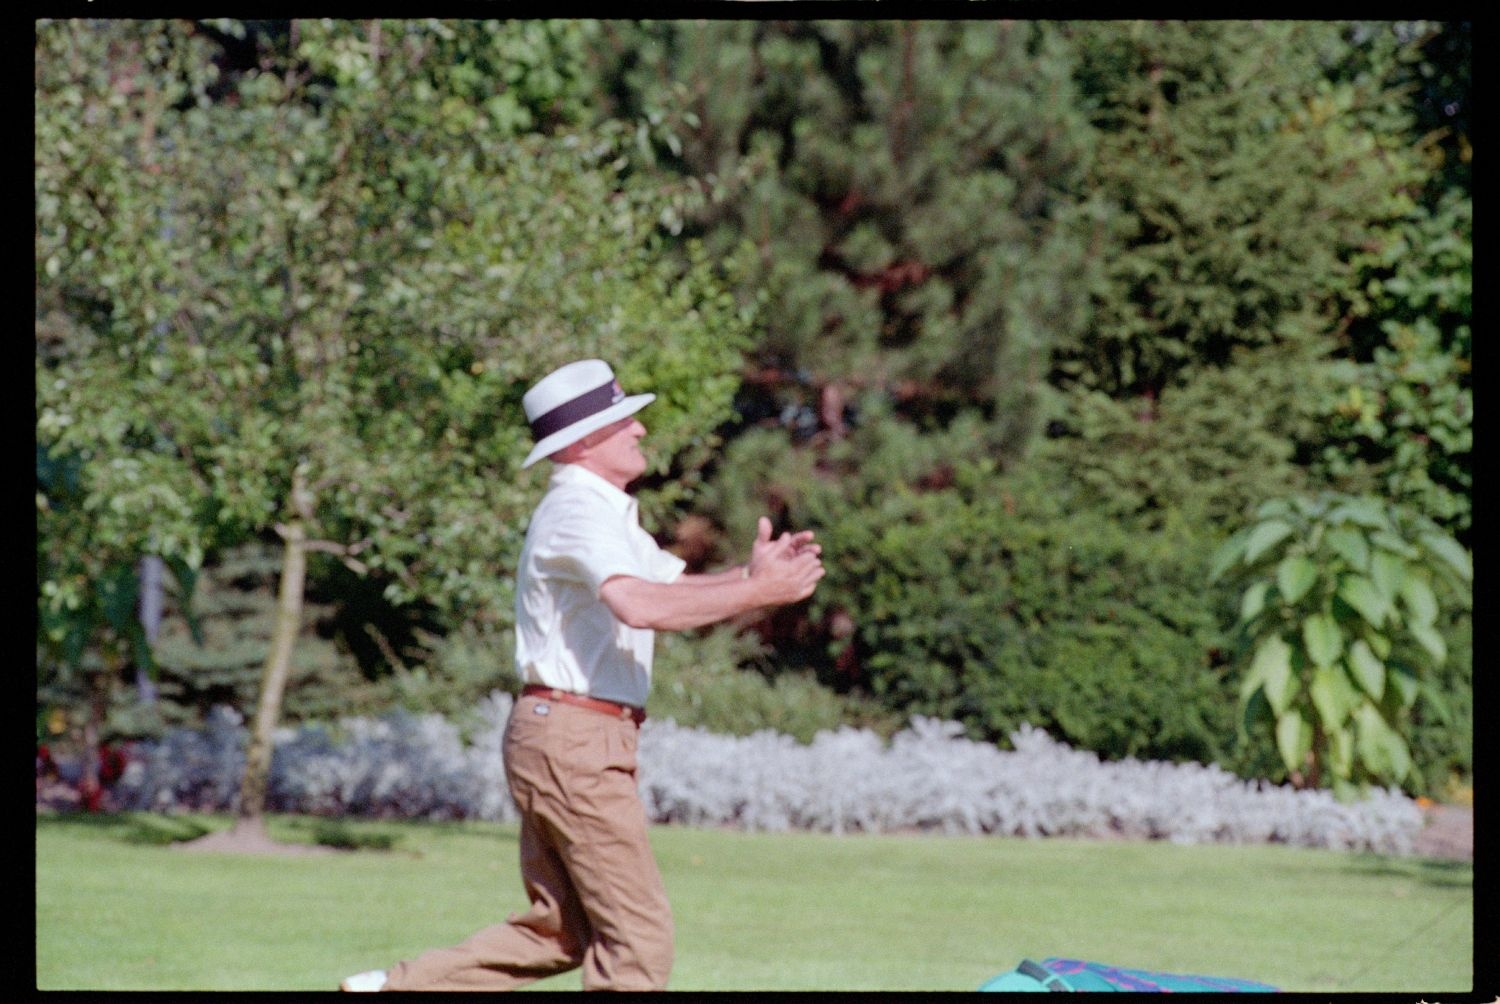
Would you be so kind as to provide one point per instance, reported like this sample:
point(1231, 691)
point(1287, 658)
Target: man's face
point(614, 452)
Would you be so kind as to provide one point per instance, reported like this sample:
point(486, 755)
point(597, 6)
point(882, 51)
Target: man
point(591, 591)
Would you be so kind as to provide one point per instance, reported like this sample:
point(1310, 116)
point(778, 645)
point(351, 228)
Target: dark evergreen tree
point(1241, 180)
point(906, 187)
point(235, 609)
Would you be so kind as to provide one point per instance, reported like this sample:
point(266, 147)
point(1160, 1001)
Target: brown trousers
point(597, 898)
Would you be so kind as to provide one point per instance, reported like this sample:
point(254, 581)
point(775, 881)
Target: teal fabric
point(1080, 975)
point(1025, 982)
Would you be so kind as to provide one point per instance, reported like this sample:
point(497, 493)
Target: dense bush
point(720, 679)
point(447, 674)
point(961, 592)
point(927, 777)
point(1198, 454)
point(399, 766)
point(1339, 631)
point(1403, 425)
point(723, 681)
point(1442, 747)
point(996, 604)
point(221, 662)
point(1068, 587)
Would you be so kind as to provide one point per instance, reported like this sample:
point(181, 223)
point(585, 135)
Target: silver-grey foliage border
point(927, 778)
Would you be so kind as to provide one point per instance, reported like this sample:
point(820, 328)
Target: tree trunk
point(1315, 758)
point(273, 681)
point(89, 789)
point(150, 577)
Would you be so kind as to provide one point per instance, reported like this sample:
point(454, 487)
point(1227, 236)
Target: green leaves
point(363, 278)
point(1387, 571)
point(1350, 544)
point(1361, 511)
point(1294, 738)
point(1451, 553)
point(1227, 555)
point(1420, 602)
point(1379, 746)
point(1364, 596)
point(866, 218)
point(1272, 672)
point(1405, 412)
point(1333, 695)
point(1430, 640)
point(1323, 639)
point(1367, 668)
point(351, 261)
point(1294, 577)
point(1422, 610)
point(1351, 580)
point(1341, 761)
point(1264, 537)
point(1233, 147)
point(1254, 601)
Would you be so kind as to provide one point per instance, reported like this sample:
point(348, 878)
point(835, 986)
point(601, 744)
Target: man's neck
point(606, 476)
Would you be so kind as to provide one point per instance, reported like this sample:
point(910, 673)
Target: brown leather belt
point(610, 708)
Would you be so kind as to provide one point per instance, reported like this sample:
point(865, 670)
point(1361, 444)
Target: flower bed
point(927, 778)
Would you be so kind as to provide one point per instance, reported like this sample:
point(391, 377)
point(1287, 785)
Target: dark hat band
point(581, 407)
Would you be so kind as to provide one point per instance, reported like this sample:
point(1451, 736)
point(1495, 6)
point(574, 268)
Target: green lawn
point(115, 911)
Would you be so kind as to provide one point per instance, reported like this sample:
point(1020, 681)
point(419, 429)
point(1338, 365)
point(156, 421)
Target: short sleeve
point(667, 565)
point(590, 542)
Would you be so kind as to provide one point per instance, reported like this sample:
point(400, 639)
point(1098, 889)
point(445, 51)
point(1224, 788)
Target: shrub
point(1066, 588)
point(927, 778)
point(1342, 612)
point(401, 766)
point(452, 673)
point(722, 681)
point(1443, 747)
point(1000, 602)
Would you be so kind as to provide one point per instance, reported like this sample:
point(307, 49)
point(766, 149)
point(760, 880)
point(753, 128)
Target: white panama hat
point(573, 401)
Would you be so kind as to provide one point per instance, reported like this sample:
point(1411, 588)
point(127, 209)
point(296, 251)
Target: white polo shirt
point(584, 531)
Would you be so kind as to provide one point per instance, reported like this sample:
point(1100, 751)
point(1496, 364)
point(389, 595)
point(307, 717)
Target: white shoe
point(364, 983)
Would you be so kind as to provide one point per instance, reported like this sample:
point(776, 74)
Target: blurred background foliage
point(1025, 319)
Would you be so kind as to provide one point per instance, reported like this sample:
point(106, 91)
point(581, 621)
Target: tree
point(313, 304)
point(234, 610)
point(1341, 613)
point(1400, 423)
point(88, 628)
point(1230, 187)
point(88, 542)
point(908, 186)
point(1244, 167)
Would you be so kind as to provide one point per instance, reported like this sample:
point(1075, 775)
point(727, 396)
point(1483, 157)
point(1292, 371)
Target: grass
point(117, 909)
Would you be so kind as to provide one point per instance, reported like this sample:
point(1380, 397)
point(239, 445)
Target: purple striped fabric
point(1145, 981)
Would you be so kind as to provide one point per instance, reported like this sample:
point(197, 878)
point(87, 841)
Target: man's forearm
point(780, 571)
point(692, 601)
point(734, 574)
